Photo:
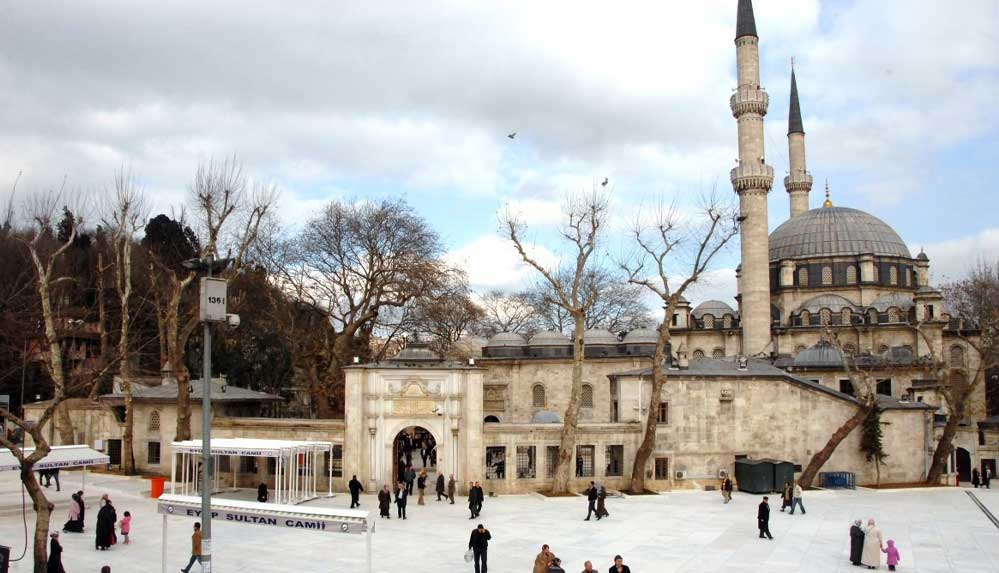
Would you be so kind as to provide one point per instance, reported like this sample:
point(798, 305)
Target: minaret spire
point(752, 179)
point(798, 182)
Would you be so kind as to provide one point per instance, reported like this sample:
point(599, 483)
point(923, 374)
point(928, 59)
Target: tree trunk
point(123, 284)
point(877, 469)
point(43, 513)
point(945, 445)
point(56, 369)
point(175, 357)
point(652, 418)
point(822, 456)
point(567, 445)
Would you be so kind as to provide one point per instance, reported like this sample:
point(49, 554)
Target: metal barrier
point(842, 480)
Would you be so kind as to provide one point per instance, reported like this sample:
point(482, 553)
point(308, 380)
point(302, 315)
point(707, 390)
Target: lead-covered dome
point(715, 308)
point(829, 231)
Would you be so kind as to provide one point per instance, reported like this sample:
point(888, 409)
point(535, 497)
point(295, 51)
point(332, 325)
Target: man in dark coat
point(106, 519)
point(401, 498)
point(480, 496)
point(976, 479)
point(384, 499)
point(440, 486)
point(262, 494)
point(727, 488)
point(355, 492)
point(763, 518)
point(478, 542)
point(591, 501)
point(473, 496)
point(619, 566)
point(856, 542)
point(451, 487)
point(410, 479)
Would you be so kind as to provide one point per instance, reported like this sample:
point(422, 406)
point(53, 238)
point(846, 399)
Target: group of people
point(547, 562)
point(401, 492)
point(982, 478)
point(867, 545)
point(105, 533)
point(596, 497)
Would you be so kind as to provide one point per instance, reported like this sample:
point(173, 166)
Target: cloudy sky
point(366, 99)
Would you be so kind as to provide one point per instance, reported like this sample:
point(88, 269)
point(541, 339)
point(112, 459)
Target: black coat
point(440, 484)
point(763, 514)
point(106, 519)
point(421, 482)
point(355, 486)
point(401, 496)
point(479, 540)
point(856, 544)
point(591, 494)
point(55, 557)
point(624, 569)
point(384, 499)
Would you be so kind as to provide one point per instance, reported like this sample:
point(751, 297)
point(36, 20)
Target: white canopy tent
point(295, 465)
point(59, 457)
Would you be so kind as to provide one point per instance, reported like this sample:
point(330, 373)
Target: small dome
point(715, 308)
point(597, 336)
point(506, 339)
point(549, 338)
point(897, 300)
point(833, 302)
point(641, 336)
point(922, 256)
point(416, 351)
point(832, 231)
point(546, 417)
point(898, 355)
point(821, 355)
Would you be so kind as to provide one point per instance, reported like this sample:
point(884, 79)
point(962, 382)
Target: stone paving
point(937, 529)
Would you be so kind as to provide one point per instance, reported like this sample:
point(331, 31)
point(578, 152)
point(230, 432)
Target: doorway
point(414, 446)
point(963, 465)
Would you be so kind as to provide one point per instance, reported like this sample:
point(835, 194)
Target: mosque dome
point(715, 308)
point(833, 302)
point(597, 336)
point(641, 336)
point(506, 339)
point(830, 231)
point(822, 355)
point(549, 338)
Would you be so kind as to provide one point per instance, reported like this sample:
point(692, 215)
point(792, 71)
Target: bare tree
point(504, 312)
point(446, 315)
point(662, 243)
point(575, 291)
point(618, 306)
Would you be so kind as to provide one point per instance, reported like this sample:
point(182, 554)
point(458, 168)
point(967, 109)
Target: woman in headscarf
point(874, 544)
point(384, 499)
point(601, 508)
point(787, 497)
point(106, 519)
point(856, 542)
point(55, 554)
point(75, 524)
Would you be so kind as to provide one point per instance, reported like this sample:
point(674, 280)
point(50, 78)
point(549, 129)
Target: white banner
point(264, 518)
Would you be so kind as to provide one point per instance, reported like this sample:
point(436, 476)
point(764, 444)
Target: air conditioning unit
point(99, 445)
point(680, 475)
point(722, 472)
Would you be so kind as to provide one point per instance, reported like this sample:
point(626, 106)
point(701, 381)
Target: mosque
point(758, 381)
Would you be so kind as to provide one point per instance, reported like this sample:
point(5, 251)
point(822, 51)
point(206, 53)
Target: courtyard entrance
point(963, 465)
point(414, 446)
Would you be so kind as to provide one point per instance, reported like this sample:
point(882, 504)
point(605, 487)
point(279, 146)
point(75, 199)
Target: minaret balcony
point(798, 181)
point(749, 99)
point(752, 175)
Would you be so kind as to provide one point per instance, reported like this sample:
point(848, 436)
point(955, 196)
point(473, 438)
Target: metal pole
point(206, 444)
point(163, 556)
point(367, 548)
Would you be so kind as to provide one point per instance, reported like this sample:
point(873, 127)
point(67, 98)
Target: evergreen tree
point(871, 442)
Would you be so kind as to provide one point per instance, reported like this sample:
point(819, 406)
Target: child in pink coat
point(126, 526)
point(893, 557)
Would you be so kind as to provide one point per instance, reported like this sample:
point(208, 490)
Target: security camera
point(232, 320)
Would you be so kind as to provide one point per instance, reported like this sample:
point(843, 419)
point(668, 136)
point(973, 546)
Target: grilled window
point(584, 461)
point(615, 461)
point(551, 461)
point(803, 276)
point(586, 397)
point(825, 316)
point(526, 468)
point(495, 462)
point(153, 453)
point(956, 356)
point(851, 275)
point(662, 468)
point(698, 354)
point(893, 275)
point(847, 316)
point(154, 421)
point(718, 353)
point(539, 396)
point(827, 278)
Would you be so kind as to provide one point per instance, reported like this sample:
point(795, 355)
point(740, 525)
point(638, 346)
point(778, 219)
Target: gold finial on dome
point(828, 202)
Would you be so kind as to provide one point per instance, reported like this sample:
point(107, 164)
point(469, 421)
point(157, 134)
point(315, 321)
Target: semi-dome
point(506, 339)
point(822, 355)
point(715, 308)
point(549, 338)
point(641, 336)
point(833, 302)
point(830, 231)
point(597, 336)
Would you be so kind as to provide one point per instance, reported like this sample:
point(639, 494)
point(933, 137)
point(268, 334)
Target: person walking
point(856, 542)
point(591, 501)
point(55, 554)
point(873, 545)
point(473, 495)
point(478, 542)
point(619, 566)
point(195, 547)
point(480, 498)
point(424, 454)
point(384, 499)
point(987, 477)
point(976, 479)
point(543, 559)
point(262, 493)
point(763, 518)
point(796, 502)
point(451, 486)
point(410, 479)
point(401, 497)
point(727, 488)
point(601, 507)
point(355, 488)
point(893, 557)
point(787, 497)
point(106, 518)
point(440, 486)
point(421, 484)
point(126, 526)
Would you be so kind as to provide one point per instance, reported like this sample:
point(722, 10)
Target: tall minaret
point(799, 182)
point(752, 180)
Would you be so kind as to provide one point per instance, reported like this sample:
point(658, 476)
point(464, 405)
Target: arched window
point(907, 276)
point(851, 275)
point(718, 353)
point(956, 356)
point(827, 275)
point(957, 379)
point(586, 398)
point(849, 349)
point(803, 276)
point(806, 318)
point(825, 316)
point(893, 313)
point(727, 321)
point(877, 273)
point(893, 275)
point(491, 419)
point(154, 421)
point(709, 321)
point(847, 316)
point(539, 396)
point(698, 354)
point(872, 316)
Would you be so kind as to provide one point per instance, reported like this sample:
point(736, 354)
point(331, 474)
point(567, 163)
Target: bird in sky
point(604, 184)
point(512, 135)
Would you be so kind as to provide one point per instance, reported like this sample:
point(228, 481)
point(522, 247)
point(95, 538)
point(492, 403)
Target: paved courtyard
point(937, 529)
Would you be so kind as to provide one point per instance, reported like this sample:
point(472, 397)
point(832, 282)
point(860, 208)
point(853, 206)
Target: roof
point(715, 308)
point(745, 23)
point(895, 299)
point(794, 124)
point(58, 457)
point(250, 446)
point(833, 302)
point(828, 231)
point(889, 403)
point(596, 336)
point(822, 355)
point(549, 338)
point(507, 339)
point(641, 336)
point(167, 392)
point(416, 351)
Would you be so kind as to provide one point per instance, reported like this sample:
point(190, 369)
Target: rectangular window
point(271, 466)
point(153, 453)
point(663, 413)
point(662, 468)
point(615, 461)
point(525, 462)
point(495, 462)
point(551, 461)
point(114, 451)
point(336, 463)
point(884, 387)
point(584, 461)
point(224, 465)
point(846, 387)
point(247, 465)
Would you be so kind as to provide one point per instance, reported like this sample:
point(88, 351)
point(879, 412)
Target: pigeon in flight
point(604, 184)
point(512, 135)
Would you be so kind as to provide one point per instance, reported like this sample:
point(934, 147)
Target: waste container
point(783, 472)
point(754, 476)
point(158, 483)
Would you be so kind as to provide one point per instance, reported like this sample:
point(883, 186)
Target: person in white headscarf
point(874, 545)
